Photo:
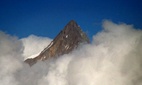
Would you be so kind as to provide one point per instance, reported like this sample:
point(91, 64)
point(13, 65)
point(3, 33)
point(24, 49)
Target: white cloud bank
point(113, 58)
point(33, 45)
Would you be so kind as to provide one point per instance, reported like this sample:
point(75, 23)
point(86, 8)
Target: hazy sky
point(47, 17)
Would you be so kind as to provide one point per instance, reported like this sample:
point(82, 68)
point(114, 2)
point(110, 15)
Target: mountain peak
point(67, 40)
point(72, 23)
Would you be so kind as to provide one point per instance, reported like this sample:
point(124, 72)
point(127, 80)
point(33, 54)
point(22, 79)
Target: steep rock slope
point(67, 40)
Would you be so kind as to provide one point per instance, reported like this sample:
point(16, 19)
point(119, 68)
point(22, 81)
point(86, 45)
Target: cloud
point(33, 45)
point(10, 62)
point(114, 57)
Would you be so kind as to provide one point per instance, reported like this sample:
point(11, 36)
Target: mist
point(114, 57)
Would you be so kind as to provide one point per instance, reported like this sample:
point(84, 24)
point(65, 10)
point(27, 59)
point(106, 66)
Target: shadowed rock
point(67, 40)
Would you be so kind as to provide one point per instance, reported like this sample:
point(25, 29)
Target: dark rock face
point(67, 40)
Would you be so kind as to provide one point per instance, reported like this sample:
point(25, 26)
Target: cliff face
point(67, 40)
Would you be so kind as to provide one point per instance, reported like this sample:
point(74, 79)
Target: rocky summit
point(67, 40)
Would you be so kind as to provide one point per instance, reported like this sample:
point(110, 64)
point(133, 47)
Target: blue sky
point(47, 17)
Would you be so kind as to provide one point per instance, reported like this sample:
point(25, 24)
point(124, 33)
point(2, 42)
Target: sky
point(47, 18)
point(114, 57)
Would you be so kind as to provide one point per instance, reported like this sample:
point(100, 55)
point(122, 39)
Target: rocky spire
point(67, 40)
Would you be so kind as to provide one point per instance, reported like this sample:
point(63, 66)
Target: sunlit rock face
point(67, 40)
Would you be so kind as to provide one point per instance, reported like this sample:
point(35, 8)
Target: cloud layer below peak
point(114, 57)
